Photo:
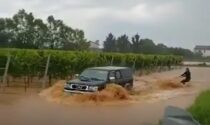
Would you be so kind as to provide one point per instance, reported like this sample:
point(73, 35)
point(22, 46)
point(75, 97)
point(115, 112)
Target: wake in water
point(146, 90)
point(169, 84)
point(111, 93)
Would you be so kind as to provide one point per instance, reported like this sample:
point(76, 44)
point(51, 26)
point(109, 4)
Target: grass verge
point(201, 108)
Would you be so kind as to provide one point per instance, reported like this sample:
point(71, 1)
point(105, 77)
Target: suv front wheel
point(128, 86)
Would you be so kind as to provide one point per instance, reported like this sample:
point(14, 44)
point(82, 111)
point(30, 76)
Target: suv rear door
point(118, 77)
point(127, 75)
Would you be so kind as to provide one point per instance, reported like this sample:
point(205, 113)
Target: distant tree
point(40, 34)
point(198, 54)
point(162, 46)
point(123, 44)
point(63, 37)
point(186, 53)
point(136, 45)
point(54, 28)
point(3, 35)
point(26, 31)
point(6, 32)
point(4, 39)
point(80, 41)
point(161, 49)
point(23, 30)
point(147, 46)
point(110, 43)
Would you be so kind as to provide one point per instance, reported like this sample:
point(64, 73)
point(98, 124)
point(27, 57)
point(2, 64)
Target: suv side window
point(127, 73)
point(112, 74)
point(118, 75)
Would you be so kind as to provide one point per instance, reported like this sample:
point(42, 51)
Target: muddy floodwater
point(31, 109)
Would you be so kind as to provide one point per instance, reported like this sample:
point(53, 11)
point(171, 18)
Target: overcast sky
point(178, 23)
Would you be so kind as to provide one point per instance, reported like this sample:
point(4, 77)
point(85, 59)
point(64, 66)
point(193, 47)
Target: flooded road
point(30, 109)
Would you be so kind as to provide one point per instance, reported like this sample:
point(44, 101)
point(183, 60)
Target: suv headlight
point(93, 88)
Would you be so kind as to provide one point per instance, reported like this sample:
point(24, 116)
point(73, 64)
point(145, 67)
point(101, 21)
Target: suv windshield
point(91, 74)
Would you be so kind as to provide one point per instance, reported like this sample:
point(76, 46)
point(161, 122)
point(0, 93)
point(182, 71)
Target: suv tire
point(128, 86)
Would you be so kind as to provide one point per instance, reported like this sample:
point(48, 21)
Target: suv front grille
point(79, 87)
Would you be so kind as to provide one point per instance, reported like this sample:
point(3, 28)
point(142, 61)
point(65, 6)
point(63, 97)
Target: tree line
point(123, 44)
point(23, 30)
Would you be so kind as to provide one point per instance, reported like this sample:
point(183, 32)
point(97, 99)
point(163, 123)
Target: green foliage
point(201, 108)
point(136, 43)
point(26, 31)
point(25, 62)
point(110, 43)
point(3, 60)
point(23, 30)
point(122, 44)
point(31, 63)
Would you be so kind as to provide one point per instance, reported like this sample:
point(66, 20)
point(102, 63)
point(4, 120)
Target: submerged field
point(18, 107)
